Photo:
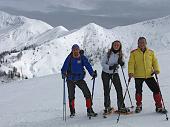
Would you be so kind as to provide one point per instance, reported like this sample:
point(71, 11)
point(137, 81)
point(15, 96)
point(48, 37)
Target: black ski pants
point(151, 83)
point(115, 79)
point(82, 85)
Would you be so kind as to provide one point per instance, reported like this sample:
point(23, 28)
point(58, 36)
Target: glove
point(94, 75)
point(130, 75)
point(154, 72)
point(121, 62)
point(113, 67)
point(63, 75)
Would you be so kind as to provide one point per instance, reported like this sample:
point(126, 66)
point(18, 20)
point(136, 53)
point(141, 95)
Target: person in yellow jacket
point(142, 64)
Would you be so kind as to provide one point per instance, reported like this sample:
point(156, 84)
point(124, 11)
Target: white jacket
point(109, 62)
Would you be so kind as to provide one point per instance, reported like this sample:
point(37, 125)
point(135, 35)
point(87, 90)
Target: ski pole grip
point(152, 73)
point(94, 74)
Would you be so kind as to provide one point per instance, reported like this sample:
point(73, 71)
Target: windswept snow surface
point(38, 102)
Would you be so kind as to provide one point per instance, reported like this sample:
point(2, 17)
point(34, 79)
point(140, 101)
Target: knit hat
point(75, 46)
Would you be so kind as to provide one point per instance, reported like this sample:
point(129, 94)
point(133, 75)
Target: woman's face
point(116, 45)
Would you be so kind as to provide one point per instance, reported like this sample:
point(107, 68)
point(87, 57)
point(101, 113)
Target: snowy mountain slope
point(49, 35)
point(18, 30)
point(37, 102)
point(156, 31)
point(47, 57)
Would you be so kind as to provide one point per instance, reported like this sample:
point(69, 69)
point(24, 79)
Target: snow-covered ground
point(38, 102)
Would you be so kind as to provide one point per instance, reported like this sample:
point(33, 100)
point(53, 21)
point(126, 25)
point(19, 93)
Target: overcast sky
point(75, 13)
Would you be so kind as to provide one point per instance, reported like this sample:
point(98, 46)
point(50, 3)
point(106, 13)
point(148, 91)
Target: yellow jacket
point(142, 64)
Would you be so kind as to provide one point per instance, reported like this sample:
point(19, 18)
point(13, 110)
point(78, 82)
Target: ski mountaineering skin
point(142, 66)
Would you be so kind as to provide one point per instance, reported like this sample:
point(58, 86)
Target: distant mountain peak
point(93, 26)
point(62, 28)
point(18, 30)
point(54, 44)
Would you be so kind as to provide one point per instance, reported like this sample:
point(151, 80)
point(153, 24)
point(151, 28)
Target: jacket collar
point(147, 49)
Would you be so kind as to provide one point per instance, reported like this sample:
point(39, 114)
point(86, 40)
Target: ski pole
point(93, 90)
point(124, 98)
point(64, 101)
point(111, 77)
point(161, 95)
point(126, 87)
point(93, 85)
point(110, 86)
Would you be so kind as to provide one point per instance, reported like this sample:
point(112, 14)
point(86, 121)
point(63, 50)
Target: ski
point(124, 113)
point(108, 113)
point(113, 111)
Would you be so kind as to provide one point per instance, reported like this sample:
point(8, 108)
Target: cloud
point(45, 5)
point(77, 4)
point(104, 12)
point(28, 5)
point(82, 5)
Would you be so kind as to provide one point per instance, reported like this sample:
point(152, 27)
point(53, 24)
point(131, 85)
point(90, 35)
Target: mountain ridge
point(46, 52)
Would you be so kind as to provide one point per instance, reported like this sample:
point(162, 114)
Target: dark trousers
point(107, 87)
point(84, 88)
point(151, 83)
point(153, 86)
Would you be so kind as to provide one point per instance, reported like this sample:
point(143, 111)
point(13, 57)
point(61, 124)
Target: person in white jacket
point(110, 62)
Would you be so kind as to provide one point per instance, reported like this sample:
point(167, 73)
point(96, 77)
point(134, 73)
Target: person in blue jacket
point(73, 71)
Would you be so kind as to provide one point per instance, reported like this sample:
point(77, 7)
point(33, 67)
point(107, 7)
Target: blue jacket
point(74, 67)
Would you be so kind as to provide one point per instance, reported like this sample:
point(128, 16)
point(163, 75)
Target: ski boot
point(124, 110)
point(138, 109)
point(161, 110)
point(91, 113)
point(72, 113)
point(108, 110)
